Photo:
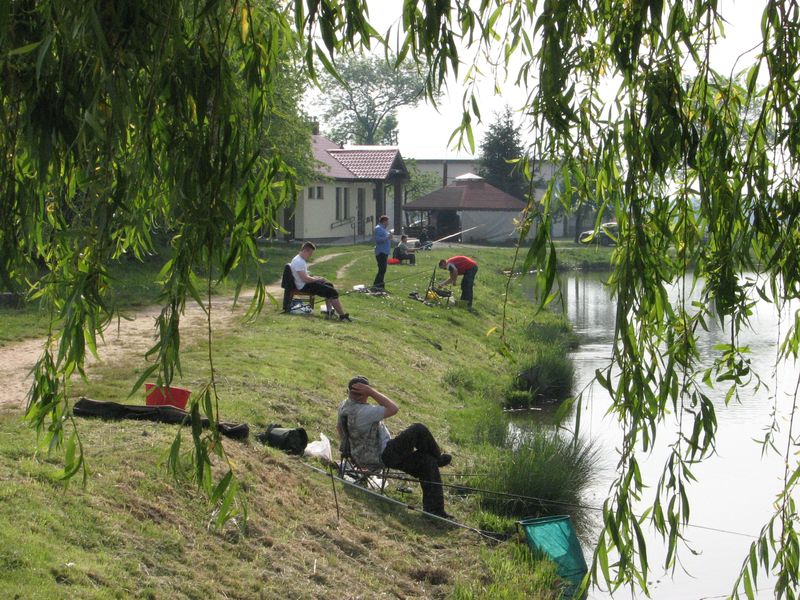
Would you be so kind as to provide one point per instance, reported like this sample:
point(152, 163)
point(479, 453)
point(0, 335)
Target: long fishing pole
point(510, 495)
point(405, 505)
point(447, 237)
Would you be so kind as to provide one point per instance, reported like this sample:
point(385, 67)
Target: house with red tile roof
point(351, 192)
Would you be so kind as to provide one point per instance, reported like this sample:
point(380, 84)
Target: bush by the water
point(540, 473)
point(547, 376)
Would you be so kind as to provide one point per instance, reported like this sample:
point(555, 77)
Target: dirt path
point(125, 340)
point(340, 273)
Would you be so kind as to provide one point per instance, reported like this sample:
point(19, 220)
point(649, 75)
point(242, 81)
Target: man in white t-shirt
point(413, 450)
point(319, 286)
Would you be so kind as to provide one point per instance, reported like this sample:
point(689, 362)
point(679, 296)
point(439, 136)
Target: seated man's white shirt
point(298, 265)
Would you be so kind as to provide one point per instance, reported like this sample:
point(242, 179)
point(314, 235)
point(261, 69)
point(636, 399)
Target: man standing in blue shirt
point(383, 239)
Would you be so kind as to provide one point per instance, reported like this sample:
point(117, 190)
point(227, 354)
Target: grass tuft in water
point(541, 474)
point(547, 375)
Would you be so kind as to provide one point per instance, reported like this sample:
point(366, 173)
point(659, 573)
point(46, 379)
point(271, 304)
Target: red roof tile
point(329, 166)
point(369, 163)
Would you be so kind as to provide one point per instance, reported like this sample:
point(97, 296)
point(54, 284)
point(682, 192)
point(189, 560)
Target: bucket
point(555, 537)
point(166, 396)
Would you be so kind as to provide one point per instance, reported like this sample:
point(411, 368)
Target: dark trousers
point(326, 290)
point(409, 256)
point(467, 281)
point(414, 451)
point(382, 260)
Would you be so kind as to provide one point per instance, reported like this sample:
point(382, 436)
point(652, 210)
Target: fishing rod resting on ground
point(405, 505)
point(510, 495)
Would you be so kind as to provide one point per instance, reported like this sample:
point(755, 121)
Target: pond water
point(735, 488)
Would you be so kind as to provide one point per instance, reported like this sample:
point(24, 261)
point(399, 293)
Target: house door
point(361, 209)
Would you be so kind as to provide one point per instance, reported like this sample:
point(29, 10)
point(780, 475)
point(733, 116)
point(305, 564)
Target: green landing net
point(555, 538)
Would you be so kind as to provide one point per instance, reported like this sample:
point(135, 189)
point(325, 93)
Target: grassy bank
point(134, 532)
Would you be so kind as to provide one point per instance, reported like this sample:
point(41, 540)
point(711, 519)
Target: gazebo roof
point(468, 192)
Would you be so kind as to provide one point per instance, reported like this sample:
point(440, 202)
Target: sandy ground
point(125, 339)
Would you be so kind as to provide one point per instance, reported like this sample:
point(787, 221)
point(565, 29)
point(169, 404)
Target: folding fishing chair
point(290, 291)
point(368, 476)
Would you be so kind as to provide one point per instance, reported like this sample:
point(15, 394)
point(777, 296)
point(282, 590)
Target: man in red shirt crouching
point(467, 268)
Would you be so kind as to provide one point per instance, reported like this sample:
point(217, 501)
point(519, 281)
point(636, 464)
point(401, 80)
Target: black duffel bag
point(293, 441)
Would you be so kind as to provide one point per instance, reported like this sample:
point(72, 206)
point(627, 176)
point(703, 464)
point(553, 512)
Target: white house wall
point(314, 216)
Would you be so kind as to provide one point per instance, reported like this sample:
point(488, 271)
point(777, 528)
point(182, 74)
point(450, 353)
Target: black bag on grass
point(159, 414)
point(293, 441)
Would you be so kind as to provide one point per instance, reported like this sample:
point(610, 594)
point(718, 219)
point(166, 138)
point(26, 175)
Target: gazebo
point(469, 204)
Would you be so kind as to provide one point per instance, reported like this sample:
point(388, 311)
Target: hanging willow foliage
point(119, 117)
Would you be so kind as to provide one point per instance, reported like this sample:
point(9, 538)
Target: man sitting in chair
point(413, 451)
point(403, 252)
point(319, 286)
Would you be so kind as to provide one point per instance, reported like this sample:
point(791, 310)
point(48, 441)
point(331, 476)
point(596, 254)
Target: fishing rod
point(534, 499)
point(447, 237)
point(483, 534)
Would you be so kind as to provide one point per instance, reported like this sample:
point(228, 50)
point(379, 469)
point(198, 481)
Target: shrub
point(542, 473)
point(519, 399)
point(548, 375)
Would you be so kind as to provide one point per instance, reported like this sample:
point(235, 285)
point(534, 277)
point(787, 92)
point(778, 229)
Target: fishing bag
point(293, 441)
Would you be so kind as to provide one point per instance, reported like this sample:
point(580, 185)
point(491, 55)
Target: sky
point(424, 131)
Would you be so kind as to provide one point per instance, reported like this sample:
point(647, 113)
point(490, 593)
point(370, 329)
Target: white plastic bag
point(320, 448)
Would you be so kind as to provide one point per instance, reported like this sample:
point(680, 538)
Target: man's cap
point(357, 379)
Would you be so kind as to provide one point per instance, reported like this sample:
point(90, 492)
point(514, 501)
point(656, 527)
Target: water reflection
point(735, 487)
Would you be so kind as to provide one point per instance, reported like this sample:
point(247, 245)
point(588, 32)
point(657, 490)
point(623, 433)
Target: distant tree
point(419, 182)
point(502, 144)
point(364, 110)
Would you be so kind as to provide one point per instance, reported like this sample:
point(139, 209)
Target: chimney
point(314, 127)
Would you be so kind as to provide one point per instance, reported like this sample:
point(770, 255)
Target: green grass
point(29, 321)
point(135, 532)
point(509, 574)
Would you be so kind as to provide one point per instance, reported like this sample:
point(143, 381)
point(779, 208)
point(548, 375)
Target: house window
point(320, 196)
point(338, 204)
point(346, 203)
point(311, 192)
